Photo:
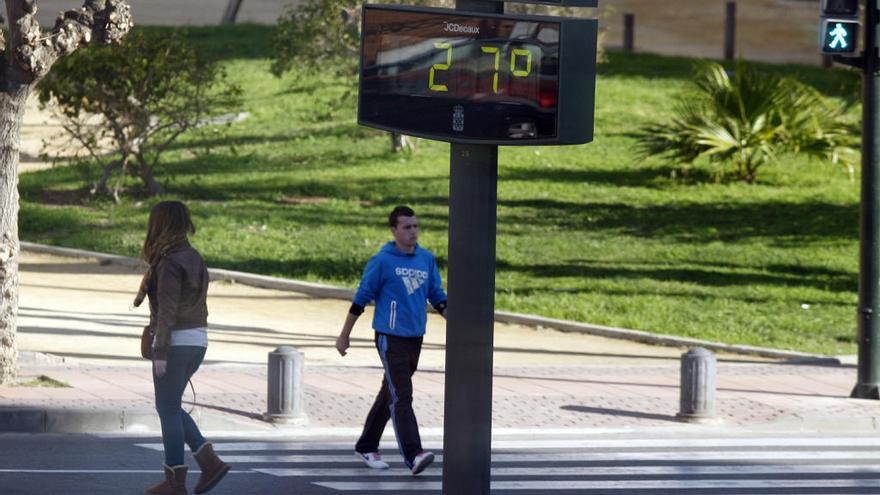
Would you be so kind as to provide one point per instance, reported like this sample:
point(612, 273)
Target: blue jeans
point(177, 425)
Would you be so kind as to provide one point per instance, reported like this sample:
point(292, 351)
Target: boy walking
point(400, 278)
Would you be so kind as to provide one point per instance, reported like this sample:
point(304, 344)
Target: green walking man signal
point(839, 26)
point(839, 36)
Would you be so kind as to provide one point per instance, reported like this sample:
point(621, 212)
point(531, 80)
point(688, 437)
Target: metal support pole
point(827, 61)
point(629, 21)
point(869, 258)
point(729, 30)
point(467, 424)
point(231, 12)
point(467, 419)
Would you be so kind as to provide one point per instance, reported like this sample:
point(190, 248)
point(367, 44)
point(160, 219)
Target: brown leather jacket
point(178, 292)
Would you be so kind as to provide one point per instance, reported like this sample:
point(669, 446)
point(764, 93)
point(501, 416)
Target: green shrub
point(317, 33)
point(751, 119)
point(135, 98)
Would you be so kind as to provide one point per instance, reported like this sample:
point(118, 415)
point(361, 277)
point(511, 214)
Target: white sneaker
point(421, 461)
point(373, 460)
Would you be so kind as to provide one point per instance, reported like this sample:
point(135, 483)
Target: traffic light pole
point(869, 258)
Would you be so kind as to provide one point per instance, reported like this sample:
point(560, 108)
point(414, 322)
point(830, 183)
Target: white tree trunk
point(402, 142)
point(11, 111)
point(26, 57)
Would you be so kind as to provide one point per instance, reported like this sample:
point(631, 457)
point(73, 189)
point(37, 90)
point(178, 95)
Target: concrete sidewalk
point(74, 327)
point(233, 398)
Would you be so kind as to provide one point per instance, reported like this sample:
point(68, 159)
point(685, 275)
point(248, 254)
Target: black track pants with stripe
point(400, 358)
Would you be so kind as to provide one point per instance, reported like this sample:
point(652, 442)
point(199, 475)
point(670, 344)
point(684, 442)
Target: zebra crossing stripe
point(674, 465)
point(346, 458)
point(618, 486)
point(741, 470)
point(78, 471)
point(351, 486)
point(101, 471)
point(673, 456)
point(697, 443)
point(347, 472)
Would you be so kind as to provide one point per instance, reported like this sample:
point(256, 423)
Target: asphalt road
point(658, 463)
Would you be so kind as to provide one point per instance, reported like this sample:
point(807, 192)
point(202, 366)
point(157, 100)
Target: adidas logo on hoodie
point(412, 278)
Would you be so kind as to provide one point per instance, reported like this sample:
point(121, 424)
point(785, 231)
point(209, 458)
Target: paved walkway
point(782, 31)
point(76, 310)
point(178, 12)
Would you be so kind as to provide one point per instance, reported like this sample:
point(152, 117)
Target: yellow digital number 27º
point(436, 67)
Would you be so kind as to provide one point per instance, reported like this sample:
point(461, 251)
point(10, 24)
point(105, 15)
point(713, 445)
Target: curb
point(263, 281)
point(655, 338)
point(29, 419)
point(809, 423)
point(333, 292)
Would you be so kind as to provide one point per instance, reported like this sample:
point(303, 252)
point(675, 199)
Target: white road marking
point(623, 486)
point(103, 471)
point(697, 443)
point(739, 469)
point(674, 456)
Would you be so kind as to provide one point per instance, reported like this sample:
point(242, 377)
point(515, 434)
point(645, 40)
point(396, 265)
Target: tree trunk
point(153, 186)
point(24, 59)
point(11, 110)
point(401, 142)
point(231, 12)
point(101, 186)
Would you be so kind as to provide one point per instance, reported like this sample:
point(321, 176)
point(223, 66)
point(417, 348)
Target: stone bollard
point(285, 376)
point(697, 403)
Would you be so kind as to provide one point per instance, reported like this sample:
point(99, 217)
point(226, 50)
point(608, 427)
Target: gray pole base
point(703, 420)
point(866, 391)
point(281, 420)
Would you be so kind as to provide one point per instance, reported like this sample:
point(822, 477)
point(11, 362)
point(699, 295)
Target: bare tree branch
point(104, 21)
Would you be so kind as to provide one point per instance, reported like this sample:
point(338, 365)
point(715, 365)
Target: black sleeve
point(440, 307)
point(356, 309)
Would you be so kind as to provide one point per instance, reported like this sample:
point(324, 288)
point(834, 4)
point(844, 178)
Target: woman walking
point(176, 283)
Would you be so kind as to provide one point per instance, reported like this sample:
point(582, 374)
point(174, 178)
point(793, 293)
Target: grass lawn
point(590, 233)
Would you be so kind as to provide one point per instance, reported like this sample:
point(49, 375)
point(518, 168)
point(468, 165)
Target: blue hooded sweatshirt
point(400, 283)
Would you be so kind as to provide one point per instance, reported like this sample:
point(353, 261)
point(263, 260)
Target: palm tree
point(750, 119)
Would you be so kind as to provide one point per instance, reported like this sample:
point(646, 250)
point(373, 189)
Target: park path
point(782, 31)
point(178, 12)
point(79, 309)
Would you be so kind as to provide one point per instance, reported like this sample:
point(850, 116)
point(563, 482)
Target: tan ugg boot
point(213, 469)
point(174, 484)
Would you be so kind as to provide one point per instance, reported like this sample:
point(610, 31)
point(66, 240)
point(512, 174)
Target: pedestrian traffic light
point(839, 26)
point(839, 35)
point(834, 8)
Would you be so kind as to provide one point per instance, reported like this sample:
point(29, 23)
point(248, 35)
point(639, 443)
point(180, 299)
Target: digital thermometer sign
point(477, 78)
